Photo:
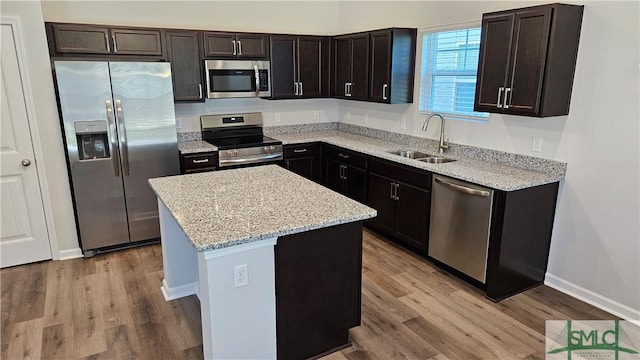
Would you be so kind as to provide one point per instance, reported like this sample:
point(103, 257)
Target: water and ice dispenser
point(93, 141)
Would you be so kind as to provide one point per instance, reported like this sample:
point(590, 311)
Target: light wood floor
point(110, 306)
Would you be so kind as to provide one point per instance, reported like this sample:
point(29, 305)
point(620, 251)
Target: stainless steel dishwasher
point(460, 223)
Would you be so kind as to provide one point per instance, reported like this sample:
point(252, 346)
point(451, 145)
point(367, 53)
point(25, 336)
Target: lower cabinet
point(304, 160)
point(345, 171)
point(198, 162)
point(402, 197)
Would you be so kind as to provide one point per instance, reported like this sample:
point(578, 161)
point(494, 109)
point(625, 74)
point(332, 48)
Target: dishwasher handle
point(462, 189)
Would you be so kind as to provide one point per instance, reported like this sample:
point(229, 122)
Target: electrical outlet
point(278, 118)
point(366, 118)
point(240, 275)
point(316, 115)
point(536, 145)
point(403, 124)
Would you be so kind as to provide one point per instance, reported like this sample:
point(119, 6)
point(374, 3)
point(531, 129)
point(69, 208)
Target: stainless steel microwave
point(237, 78)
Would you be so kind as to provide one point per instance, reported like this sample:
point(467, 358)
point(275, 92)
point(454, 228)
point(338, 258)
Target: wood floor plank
point(88, 321)
point(57, 341)
point(26, 340)
point(123, 342)
point(8, 302)
point(58, 297)
point(32, 284)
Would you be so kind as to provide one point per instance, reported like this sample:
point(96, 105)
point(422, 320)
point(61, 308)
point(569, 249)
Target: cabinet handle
point(391, 192)
point(397, 186)
point(345, 171)
point(233, 45)
point(300, 150)
point(295, 88)
point(301, 89)
point(498, 103)
point(239, 48)
point(350, 85)
point(115, 46)
point(384, 91)
point(200, 161)
point(506, 96)
point(343, 156)
point(346, 91)
point(200, 91)
point(106, 38)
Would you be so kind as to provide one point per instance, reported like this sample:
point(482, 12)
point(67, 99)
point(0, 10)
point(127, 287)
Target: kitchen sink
point(411, 154)
point(436, 160)
point(420, 156)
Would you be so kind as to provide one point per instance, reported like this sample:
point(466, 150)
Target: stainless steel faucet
point(442, 145)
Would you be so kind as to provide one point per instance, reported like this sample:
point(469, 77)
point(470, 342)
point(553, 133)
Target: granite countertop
point(486, 173)
point(219, 209)
point(197, 146)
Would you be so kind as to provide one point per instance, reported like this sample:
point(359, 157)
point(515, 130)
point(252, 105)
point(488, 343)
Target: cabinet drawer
point(346, 156)
point(199, 162)
point(406, 174)
point(301, 150)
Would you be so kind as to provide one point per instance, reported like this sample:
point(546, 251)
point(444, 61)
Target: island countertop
point(225, 208)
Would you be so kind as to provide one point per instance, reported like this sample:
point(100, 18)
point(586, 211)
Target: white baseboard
point(70, 254)
point(177, 292)
point(592, 298)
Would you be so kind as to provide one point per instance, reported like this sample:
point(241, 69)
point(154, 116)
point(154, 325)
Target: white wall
point(46, 113)
point(595, 252)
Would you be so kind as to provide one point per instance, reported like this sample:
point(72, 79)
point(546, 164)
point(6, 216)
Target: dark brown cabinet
point(345, 171)
point(402, 197)
point(299, 66)
point(183, 51)
point(527, 60)
point(304, 160)
point(393, 53)
point(102, 40)
point(198, 162)
point(235, 45)
point(350, 70)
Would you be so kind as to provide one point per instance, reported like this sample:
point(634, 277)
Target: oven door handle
point(227, 162)
point(255, 68)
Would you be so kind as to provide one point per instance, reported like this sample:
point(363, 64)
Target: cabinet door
point(252, 46)
point(81, 39)
point(333, 175)
point(301, 166)
point(380, 197)
point(312, 69)
point(493, 60)
point(342, 66)
point(412, 221)
point(136, 42)
point(359, 88)
point(283, 66)
point(528, 55)
point(380, 66)
point(356, 184)
point(219, 44)
point(183, 52)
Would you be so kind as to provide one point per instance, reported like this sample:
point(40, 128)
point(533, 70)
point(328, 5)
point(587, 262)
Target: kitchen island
point(237, 238)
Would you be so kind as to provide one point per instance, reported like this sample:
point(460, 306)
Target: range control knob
point(266, 149)
point(272, 148)
point(230, 152)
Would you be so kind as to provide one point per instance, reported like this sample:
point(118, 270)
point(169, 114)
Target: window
point(448, 73)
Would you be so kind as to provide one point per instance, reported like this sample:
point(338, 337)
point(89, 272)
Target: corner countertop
point(219, 209)
point(482, 172)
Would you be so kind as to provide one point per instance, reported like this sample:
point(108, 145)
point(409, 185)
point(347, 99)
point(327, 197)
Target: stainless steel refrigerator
point(120, 130)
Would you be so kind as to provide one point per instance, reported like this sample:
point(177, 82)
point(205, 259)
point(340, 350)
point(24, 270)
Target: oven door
point(237, 78)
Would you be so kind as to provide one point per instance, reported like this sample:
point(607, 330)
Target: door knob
point(26, 162)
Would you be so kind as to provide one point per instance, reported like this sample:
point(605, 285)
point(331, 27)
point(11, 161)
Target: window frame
point(422, 31)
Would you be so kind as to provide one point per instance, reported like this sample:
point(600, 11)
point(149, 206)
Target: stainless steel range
point(240, 140)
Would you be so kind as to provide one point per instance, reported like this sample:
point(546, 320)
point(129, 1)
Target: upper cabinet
point(393, 53)
point(235, 45)
point(527, 60)
point(299, 66)
point(76, 39)
point(351, 73)
point(183, 51)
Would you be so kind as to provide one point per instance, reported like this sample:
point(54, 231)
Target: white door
point(24, 229)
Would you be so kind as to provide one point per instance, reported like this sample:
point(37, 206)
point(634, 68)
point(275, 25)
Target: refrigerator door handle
point(112, 138)
point(123, 138)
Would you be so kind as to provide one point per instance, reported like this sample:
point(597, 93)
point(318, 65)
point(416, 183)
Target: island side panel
point(179, 259)
point(318, 290)
point(238, 322)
